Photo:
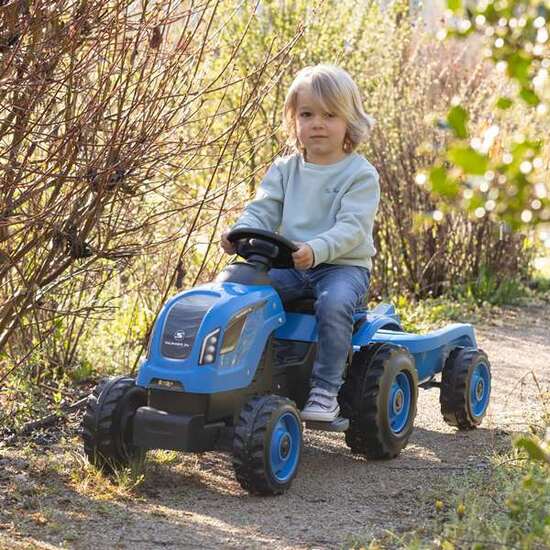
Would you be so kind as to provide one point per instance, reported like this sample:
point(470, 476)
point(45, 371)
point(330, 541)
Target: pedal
point(339, 424)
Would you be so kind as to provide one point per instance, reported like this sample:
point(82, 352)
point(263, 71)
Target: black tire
point(256, 434)
point(107, 423)
point(374, 379)
point(465, 388)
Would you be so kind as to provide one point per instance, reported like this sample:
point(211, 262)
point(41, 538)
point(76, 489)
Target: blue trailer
point(228, 366)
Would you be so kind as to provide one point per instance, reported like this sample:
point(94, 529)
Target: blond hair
point(337, 93)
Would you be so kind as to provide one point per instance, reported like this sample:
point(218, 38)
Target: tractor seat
point(307, 305)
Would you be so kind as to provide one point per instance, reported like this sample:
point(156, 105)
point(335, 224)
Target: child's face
point(321, 133)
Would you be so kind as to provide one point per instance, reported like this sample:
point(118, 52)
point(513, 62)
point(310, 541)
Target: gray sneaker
point(321, 406)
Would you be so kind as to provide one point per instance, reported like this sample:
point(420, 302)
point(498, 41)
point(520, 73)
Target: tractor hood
point(211, 338)
point(182, 323)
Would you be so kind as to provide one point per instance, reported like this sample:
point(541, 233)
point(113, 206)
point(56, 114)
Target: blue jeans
point(339, 290)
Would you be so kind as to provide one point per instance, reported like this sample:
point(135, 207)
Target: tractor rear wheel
point(465, 388)
point(267, 445)
point(107, 424)
point(379, 397)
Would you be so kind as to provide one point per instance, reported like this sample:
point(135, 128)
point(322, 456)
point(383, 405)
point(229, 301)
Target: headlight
point(233, 331)
point(231, 335)
point(208, 349)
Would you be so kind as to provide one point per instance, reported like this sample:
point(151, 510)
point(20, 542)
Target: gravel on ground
point(194, 501)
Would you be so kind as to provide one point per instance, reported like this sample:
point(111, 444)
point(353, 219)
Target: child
point(324, 197)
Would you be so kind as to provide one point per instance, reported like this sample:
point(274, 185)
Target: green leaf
point(533, 449)
point(518, 67)
point(504, 103)
point(457, 118)
point(469, 160)
point(442, 184)
point(530, 97)
point(454, 5)
point(475, 202)
point(520, 152)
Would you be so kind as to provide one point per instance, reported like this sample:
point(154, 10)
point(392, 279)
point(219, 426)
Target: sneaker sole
point(319, 416)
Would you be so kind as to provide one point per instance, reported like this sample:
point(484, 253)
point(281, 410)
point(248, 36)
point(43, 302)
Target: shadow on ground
point(195, 501)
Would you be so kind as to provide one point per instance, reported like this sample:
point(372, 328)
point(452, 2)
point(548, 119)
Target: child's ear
point(347, 145)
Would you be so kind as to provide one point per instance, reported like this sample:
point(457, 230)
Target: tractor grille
point(182, 324)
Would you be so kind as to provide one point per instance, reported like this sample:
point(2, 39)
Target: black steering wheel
point(267, 247)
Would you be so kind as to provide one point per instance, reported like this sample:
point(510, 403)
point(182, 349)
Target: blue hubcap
point(480, 389)
point(285, 445)
point(399, 403)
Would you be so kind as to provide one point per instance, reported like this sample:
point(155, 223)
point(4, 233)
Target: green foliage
point(111, 346)
point(457, 119)
point(82, 372)
point(508, 181)
point(487, 288)
point(507, 506)
point(504, 103)
point(540, 284)
point(423, 315)
point(468, 159)
point(536, 448)
point(520, 28)
point(464, 303)
point(441, 183)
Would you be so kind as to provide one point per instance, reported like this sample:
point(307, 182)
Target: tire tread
point(100, 421)
point(454, 388)
point(365, 435)
point(248, 445)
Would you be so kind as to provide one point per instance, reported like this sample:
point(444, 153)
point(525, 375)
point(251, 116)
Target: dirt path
point(195, 502)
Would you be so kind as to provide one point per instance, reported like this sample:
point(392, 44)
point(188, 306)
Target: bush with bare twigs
point(108, 112)
point(132, 133)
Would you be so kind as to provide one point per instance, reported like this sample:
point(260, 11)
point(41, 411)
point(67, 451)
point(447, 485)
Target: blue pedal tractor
point(228, 366)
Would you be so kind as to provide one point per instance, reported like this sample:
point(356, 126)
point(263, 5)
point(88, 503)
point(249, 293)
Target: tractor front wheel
point(107, 424)
point(379, 396)
point(267, 445)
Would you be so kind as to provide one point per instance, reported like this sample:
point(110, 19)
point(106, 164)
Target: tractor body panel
point(221, 302)
point(303, 327)
point(175, 347)
point(432, 349)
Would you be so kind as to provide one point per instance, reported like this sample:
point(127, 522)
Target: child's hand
point(228, 246)
point(303, 257)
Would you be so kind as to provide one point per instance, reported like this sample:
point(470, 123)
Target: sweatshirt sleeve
point(354, 221)
point(266, 209)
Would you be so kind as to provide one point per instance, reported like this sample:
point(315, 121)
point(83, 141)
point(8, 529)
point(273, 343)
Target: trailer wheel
point(379, 397)
point(107, 423)
point(465, 388)
point(267, 445)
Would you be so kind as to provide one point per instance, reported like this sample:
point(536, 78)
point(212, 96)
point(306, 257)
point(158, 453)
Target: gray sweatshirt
point(329, 207)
